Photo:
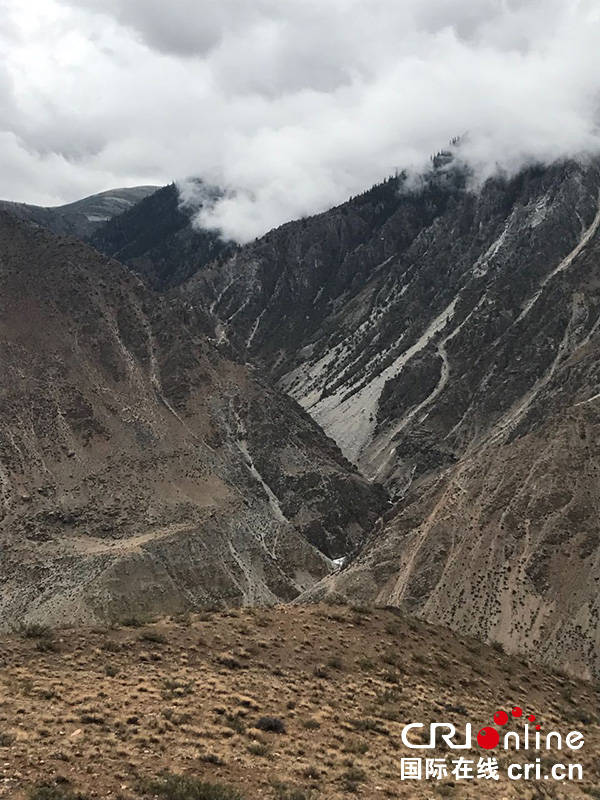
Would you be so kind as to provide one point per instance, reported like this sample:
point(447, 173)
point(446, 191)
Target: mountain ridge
point(81, 217)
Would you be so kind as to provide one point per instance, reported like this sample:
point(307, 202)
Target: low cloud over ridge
point(291, 107)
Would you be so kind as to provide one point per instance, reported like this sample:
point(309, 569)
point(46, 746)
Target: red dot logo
point(488, 738)
point(517, 712)
point(531, 718)
point(500, 717)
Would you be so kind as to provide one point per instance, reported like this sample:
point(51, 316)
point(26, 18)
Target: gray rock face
point(369, 314)
point(82, 217)
point(142, 470)
point(448, 341)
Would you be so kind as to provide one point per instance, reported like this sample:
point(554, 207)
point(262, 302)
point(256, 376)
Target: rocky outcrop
point(143, 470)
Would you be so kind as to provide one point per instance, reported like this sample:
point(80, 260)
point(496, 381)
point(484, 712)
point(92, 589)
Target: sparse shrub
point(568, 695)
point(579, 715)
point(390, 676)
point(445, 789)
point(391, 695)
point(133, 622)
point(270, 725)
point(320, 671)
point(184, 787)
point(356, 746)
point(91, 718)
point(176, 688)
point(212, 758)
point(592, 792)
point(259, 749)
point(312, 773)
point(283, 791)
point(25, 686)
point(34, 630)
point(391, 658)
point(366, 664)
point(229, 661)
point(155, 637)
point(48, 694)
point(457, 709)
point(47, 645)
point(335, 662)
point(363, 610)
point(110, 646)
point(50, 792)
point(366, 724)
point(311, 724)
point(235, 723)
point(352, 777)
point(111, 671)
point(7, 739)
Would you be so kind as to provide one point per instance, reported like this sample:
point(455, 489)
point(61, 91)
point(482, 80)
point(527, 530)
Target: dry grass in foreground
point(288, 703)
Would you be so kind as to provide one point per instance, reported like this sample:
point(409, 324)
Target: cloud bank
point(289, 106)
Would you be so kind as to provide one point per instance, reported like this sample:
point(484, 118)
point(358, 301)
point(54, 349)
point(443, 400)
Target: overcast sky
point(293, 104)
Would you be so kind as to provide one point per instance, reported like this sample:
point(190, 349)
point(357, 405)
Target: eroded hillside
point(142, 469)
point(448, 341)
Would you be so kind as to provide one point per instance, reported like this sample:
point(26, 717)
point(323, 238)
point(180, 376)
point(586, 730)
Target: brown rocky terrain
point(142, 469)
point(285, 703)
point(503, 546)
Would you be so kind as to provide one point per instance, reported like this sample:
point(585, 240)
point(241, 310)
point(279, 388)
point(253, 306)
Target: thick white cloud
point(291, 106)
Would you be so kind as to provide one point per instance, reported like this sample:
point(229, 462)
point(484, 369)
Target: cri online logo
point(489, 738)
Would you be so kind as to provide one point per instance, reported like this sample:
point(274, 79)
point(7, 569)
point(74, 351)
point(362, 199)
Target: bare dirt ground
point(288, 703)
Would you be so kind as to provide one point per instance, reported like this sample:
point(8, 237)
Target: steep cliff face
point(141, 469)
point(505, 543)
point(448, 341)
point(406, 322)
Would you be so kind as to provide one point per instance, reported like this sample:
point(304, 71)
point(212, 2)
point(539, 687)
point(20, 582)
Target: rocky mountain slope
point(141, 468)
point(156, 239)
point(368, 313)
point(448, 341)
point(82, 217)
